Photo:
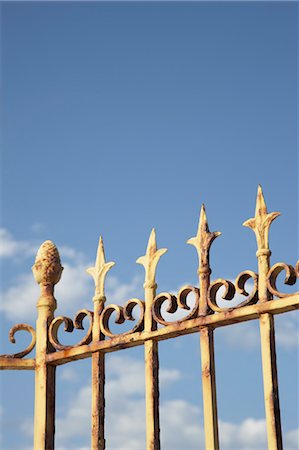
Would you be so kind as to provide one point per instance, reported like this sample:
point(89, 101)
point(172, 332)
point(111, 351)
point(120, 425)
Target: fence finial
point(261, 222)
point(99, 271)
point(151, 258)
point(47, 268)
point(203, 241)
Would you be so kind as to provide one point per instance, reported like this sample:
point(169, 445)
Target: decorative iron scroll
point(175, 302)
point(231, 289)
point(47, 271)
point(123, 313)
point(12, 331)
point(292, 273)
point(246, 284)
point(252, 295)
point(69, 326)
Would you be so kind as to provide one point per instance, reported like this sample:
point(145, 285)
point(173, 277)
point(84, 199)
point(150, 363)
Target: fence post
point(260, 224)
point(150, 261)
point(98, 273)
point(202, 242)
point(47, 272)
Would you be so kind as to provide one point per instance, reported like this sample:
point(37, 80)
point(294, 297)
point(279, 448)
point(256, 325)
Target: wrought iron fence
point(152, 326)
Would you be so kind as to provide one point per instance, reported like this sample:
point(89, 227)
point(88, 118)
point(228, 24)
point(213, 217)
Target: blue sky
point(121, 116)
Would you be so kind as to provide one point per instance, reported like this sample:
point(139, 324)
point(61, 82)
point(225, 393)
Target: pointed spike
point(101, 242)
point(204, 238)
point(100, 269)
point(153, 235)
point(151, 258)
point(262, 220)
point(152, 244)
point(203, 221)
point(100, 258)
point(261, 207)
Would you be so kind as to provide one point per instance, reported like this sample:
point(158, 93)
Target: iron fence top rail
point(176, 329)
point(151, 326)
point(120, 342)
point(151, 323)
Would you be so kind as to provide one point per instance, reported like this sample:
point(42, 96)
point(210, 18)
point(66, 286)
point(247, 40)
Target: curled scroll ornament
point(231, 289)
point(12, 331)
point(69, 326)
point(123, 313)
point(175, 302)
point(290, 279)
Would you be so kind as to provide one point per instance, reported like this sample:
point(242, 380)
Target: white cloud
point(73, 292)
point(11, 247)
point(181, 425)
point(119, 293)
point(68, 373)
point(19, 301)
point(169, 375)
point(287, 330)
point(249, 434)
point(181, 421)
point(247, 335)
point(125, 405)
point(292, 440)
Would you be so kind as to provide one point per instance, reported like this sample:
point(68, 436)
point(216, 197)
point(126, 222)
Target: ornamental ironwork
point(151, 325)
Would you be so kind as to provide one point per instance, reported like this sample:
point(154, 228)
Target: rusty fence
point(262, 303)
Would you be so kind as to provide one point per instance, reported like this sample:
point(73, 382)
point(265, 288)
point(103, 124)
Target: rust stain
point(150, 325)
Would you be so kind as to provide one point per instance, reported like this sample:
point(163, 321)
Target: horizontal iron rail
point(120, 342)
point(17, 364)
point(221, 319)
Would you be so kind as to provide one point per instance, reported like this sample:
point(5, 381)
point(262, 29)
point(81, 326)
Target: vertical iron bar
point(98, 383)
point(268, 353)
point(47, 271)
point(202, 242)
point(208, 372)
point(44, 409)
point(260, 224)
point(98, 272)
point(149, 262)
point(151, 376)
point(209, 388)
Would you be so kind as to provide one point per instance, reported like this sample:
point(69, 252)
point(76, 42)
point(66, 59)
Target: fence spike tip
point(100, 269)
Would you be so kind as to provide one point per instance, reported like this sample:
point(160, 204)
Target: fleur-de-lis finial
point(260, 224)
point(151, 258)
point(100, 270)
point(203, 241)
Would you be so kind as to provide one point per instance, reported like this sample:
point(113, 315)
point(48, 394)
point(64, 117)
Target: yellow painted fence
point(262, 303)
